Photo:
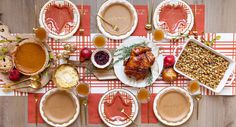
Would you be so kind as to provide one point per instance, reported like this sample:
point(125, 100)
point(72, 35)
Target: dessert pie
point(30, 57)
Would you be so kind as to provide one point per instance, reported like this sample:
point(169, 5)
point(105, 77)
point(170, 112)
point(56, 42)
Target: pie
point(30, 57)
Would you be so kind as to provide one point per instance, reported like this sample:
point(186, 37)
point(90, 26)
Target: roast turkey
point(139, 63)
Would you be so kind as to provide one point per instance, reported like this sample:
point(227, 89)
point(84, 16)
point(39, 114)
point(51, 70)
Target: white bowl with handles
point(227, 74)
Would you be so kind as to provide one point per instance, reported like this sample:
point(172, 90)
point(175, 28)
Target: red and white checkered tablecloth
point(225, 45)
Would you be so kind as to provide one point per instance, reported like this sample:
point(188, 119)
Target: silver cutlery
point(114, 27)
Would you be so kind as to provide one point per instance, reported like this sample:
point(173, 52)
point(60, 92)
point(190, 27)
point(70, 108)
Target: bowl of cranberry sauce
point(101, 58)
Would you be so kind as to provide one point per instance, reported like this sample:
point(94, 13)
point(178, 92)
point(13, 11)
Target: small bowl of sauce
point(99, 41)
point(101, 58)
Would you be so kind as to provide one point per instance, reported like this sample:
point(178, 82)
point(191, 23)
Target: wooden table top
point(215, 111)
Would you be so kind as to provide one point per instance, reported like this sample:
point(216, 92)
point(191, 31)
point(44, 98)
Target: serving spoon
point(198, 98)
point(33, 84)
point(114, 27)
point(32, 78)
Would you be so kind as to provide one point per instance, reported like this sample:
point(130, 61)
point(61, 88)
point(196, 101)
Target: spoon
point(81, 29)
point(148, 25)
point(85, 102)
point(32, 78)
point(123, 111)
point(198, 98)
point(33, 84)
point(114, 27)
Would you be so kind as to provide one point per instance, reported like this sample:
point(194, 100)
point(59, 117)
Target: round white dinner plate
point(131, 9)
point(162, 25)
point(127, 97)
point(55, 124)
point(156, 68)
point(163, 91)
point(69, 28)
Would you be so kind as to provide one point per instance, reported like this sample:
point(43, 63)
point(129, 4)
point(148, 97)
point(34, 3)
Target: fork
point(36, 108)
point(123, 111)
point(114, 27)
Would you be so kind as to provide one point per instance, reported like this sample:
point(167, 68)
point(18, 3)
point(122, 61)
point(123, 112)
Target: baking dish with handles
point(228, 73)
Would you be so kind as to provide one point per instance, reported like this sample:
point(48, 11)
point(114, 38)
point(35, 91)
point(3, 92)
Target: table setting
point(153, 63)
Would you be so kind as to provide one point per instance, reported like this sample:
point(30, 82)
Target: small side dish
point(101, 58)
point(66, 76)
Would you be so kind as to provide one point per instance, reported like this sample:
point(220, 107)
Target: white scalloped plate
point(159, 25)
point(54, 124)
point(163, 91)
point(132, 9)
point(127, 95)
point(156, 68)
point(50, 28)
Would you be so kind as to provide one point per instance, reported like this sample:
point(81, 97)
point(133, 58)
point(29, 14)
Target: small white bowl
point(95, 63)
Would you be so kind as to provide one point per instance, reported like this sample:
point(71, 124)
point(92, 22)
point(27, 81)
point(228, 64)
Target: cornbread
point(66, 76)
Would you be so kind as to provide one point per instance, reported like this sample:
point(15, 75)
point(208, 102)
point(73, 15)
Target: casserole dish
point(217, 71)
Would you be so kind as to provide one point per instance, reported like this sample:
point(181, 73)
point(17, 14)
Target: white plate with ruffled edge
point(180, 90)
point(50, 92)
point(161, 25)
point(131, 9)
point(68, 30)
point(127, 97)
point(156, 68)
